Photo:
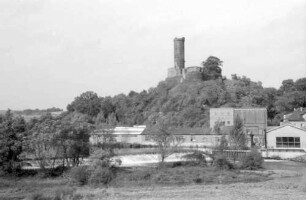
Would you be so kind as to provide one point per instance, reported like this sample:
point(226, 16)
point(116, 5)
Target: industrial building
point(254, 121)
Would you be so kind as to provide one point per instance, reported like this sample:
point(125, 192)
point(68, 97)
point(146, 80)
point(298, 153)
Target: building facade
point(254, 121)
point(286, 136)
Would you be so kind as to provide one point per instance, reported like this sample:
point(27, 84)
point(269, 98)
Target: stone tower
point(179, 53)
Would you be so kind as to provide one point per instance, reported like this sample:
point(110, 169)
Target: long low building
point(120, 134)
point(137, 135)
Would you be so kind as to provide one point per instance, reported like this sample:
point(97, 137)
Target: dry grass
point(183, 182)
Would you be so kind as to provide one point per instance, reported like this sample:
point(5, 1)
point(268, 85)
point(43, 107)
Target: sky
point(53, 50)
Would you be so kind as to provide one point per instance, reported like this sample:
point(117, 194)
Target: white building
point(121, 134)
point(286, 136)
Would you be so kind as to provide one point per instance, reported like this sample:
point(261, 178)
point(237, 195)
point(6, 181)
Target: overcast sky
point(53, 50)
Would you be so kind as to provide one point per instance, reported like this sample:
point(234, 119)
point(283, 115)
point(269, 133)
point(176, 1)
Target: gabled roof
point(279, 127)
point(297, 115)
point(271, 127)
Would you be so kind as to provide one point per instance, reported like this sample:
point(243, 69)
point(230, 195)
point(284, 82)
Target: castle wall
point(179, 53)
point(193, 76)
point(193, 73)
point(193, 69)
point(173, 72)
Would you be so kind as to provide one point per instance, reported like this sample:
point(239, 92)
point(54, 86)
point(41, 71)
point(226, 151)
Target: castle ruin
point(188, 73)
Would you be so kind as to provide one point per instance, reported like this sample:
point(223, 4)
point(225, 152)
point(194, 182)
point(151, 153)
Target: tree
point(300, 84)
point(287, 86)
point(218, 127)
point(12, 132)
point(161, 133)
point(72, 143)
point(212, 68)
point(237, 136)
point(223, 144)
point(87, 103)
point(40, 141)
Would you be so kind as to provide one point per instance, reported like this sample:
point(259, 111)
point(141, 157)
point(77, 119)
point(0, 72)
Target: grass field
point(182, 182)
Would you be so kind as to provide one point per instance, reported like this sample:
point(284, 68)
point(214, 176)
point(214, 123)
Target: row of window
point(288, 142)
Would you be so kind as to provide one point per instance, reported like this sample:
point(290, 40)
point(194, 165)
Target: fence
point(232, 154)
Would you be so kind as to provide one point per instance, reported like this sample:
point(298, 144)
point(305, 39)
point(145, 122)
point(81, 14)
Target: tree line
point(188, 103)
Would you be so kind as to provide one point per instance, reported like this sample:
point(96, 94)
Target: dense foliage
point(12, 133)
point(188, 103)
point(253, 160)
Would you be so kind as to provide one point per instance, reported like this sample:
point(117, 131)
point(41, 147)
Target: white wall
point(285, 131)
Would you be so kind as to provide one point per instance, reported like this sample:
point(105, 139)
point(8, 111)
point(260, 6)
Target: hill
point(187, 103)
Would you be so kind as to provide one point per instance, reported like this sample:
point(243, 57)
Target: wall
point(173, 72)
point(194, 140)
point(194, 76)
point(284, 154)
point(285, 131)
point(225, 115)
point(129, 138)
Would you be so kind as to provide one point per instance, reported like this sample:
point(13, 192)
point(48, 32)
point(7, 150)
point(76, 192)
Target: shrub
point(101, 176)
point(54, 172)
point(140, 175)
point(252, 160)
point(38, 196)
point(80, 174)
point(221, 162)
point(276, 158)
point(196, 158)
point(198, 180)
point(177, 164)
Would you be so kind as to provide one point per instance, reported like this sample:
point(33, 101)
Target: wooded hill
point(187, 104)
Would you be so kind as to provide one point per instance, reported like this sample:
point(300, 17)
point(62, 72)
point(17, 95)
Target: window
point(288, 142)
point(228, 122)
point(192, 139)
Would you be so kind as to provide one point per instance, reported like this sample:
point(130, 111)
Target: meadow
point(174, 181)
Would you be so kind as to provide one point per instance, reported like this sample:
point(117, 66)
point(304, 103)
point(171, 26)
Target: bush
point(38, 196)
point(54, 172)
point(252, 160)
point(221, 162)
point(196, 158)
point(140, 175)
point(80, 174)
point(198, 180)
point(101, 176)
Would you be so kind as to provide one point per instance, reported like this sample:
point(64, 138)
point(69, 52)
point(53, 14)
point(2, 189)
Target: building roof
point(186, 131)
point(120, 130)
point(297, 115)
point(135, 130)
point(271, 127)
point(279, 127)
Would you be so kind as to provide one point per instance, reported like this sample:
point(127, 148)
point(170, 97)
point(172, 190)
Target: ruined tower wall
point(179, 53)
point(193, 73)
